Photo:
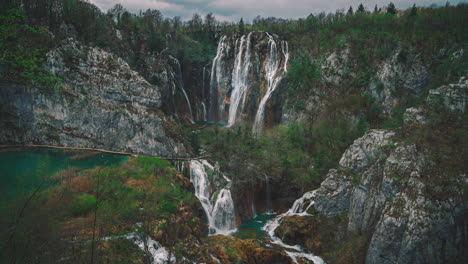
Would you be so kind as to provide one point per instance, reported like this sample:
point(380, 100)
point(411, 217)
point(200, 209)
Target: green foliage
point(391, 9)
point(396, 120)
point(303, 75)
point(82, 204)
point(299, 155)
point(149, 164)
point(23, 52)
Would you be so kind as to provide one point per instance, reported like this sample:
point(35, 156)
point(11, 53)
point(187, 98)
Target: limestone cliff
point(403, 193)
point(102, 104)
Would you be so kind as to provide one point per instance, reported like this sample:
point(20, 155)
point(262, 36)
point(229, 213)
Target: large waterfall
point(300, 207)
point(273, 79)
point(240, 76)
point(216, 75)
point(221, 215)
point(244, 77)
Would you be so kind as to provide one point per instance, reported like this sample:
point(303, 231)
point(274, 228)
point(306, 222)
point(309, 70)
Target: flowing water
point(268, 195)
point(204, 111)
point(240, 78)
point(159, 254)
point(216, 76)
point(300, 207)
point(273, 79)
point(218, 206)
point(239, 81)
point(181, 86)
point(254, 228)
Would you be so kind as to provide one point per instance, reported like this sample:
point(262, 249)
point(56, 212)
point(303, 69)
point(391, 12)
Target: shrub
point(82, 204)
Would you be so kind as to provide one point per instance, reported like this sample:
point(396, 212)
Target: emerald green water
point(23, 169)
point(253, 228)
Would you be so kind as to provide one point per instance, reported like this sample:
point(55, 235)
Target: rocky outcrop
point(402, 76)
point(235, 250)
point(414, 116)
point(452, 97)
point(393, 196)
point(102, 104)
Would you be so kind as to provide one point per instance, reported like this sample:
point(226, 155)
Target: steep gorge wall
point(397, 197)
point(103, 104)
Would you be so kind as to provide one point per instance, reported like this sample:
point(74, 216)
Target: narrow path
point(96, 149)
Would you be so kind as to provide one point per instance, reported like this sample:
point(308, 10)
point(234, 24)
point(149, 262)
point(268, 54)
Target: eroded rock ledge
point(103, 104)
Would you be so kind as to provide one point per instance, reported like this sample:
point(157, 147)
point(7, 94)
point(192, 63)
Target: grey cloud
point(248, 9)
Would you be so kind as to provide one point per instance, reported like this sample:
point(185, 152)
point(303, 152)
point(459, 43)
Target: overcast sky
point(233, 10)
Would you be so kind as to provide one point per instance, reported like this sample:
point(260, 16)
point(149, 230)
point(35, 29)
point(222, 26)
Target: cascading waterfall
point(221, 216)
point(273, 79)
point(300, 208)
point(268, 195)
point(240, 76)
point(204, 111)
point(181, 85)
point(159, 254)
point(216, 75)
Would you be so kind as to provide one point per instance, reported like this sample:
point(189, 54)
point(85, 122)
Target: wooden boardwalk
point(99, 150)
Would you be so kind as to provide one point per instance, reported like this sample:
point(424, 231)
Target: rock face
point(392, 196)
point(453, 97)
point(402, 75)
point(103, 104)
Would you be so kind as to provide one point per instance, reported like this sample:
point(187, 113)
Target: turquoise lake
point(21, 169)
point(253, 228)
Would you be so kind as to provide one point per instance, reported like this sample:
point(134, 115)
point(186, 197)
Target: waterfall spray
point(216, 76)
point(181, 85)
point(240, 76)
point(300, 208)
point(273, 79)
point(221, 216)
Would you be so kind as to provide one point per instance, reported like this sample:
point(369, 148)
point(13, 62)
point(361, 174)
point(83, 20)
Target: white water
point(300, 208)
point(181, 85)
point(240, 79)
point(273, 79)
point(268, 196)
point(216, 75)
point(221, 215)
point(158, 253)
point(204, 111)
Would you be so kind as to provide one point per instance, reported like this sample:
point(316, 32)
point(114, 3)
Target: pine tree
point(360, 9)
point(414, 10)
point(391, 9)
point(376, 9)
point(241, 26)
point(350, 10)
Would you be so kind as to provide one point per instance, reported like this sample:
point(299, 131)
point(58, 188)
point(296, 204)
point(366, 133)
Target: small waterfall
point(273, 79)
point(268, 195)
point(254, 211)
point(300, 208)
point(204, 111)
point(159, 254)
point(240, 79)
point(285, 50)
point(221, 216)
point(216, 76)
point(181, 85)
